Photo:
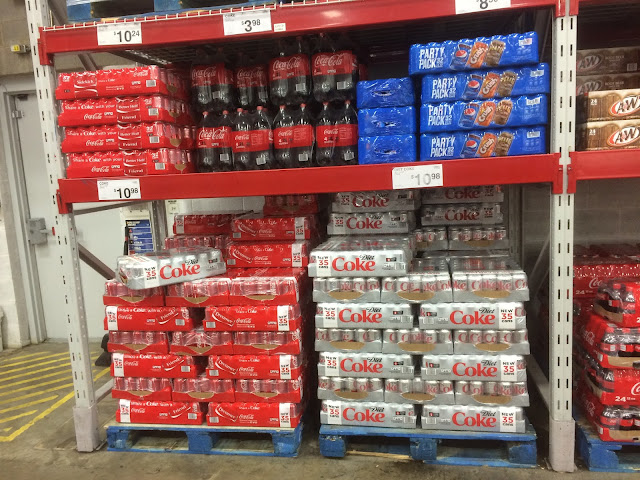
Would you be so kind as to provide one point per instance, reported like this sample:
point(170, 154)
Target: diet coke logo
point(366, 366)
point(354, 223)
point(361, 316)
point(467, 193)
point(458, 317)
point(184, 270)
point(461, 214)
point(460, 369)
point(340, 264)
point(462, 420)
point(361, 201)
point(351, 415)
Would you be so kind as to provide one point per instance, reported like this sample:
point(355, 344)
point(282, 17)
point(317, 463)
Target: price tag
point(323, 265)
point(240, 23)
point(285, 367)
point(470, 6)
point(331, 368)
point(128, 33)
point(419, 176)
point(119, 189)
point(112, 318)
point(333, 411)
point(508, 369)
point(508, 419)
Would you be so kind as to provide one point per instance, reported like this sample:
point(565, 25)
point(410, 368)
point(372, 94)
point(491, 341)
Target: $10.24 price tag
point(470, 6)
point(127, 33)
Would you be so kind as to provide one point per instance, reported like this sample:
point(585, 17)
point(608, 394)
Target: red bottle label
point(255, 76)
point(261, 140)
point(282, 68)
point(214, 137)
point(327, 136)
point(293, 137)
point(207, 75)
point(338, 63)
point(347, 135)
point(241, 142)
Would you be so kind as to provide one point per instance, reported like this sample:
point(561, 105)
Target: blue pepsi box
point(485, 84)
point(387, 121)
point(487, 143)
point(473, 54)
point(390, 92)
point(387, 149)
point(498, 113)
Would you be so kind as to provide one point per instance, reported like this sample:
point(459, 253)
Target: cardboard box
point(608, 135)
point(173, 413)
point(598, 83)
point(255, 366)
point(608, 105)
point(275, 415)
point(138, 342)
point(268, 318)
point(607, 60)
point(164, 319)
point(142, 389)
point(268, 254)
point(155, 366)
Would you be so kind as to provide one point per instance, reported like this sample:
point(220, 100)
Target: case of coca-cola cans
point(272, 254)
point(203, 389)
point(132, 163)
point(361, 256)
point(154, 366)
point(348, 340)
point(473, 316)
point(118, 82)
point(267, 343)
point(497, 342)
point(619, 302)
point(157, 319)
point(267, 286)
point(371, 223)
point(590, 272)
point(506, 394)
point(199, 343)
point(118, 294)
point(616, 386)
point(209, 224)
point(478, 237)
point(174, 413)
point(364, 315)
point(148, 389)
point(269, 390)
point(462, 214)
point(611, 345)
point(199, 293)
point(246, 414)
point(417, 341)
point(192, 241)
point(282, 205)
point(428, 280)
point(156, 269)
point(138, 342)
point(446, 195)
point(488, 278)
point(253, 227)
point(351, 389)
point(418, 391)
point(473, 418)
point(346, 289)
point(262, 367)
point(377, 201)
point(504, 368)
point(368, 414)
point(266, 318)
point(366, 365)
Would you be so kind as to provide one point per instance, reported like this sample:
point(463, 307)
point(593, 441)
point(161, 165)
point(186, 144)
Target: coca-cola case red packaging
point(199, 293)
point(590, 272)
point(619, 302)
point(272, 254)
point(279, 205)
point(369, 414)
point(267, 343)
point(210, 224)
point(133, 163)
point(159, 366)
point(267, 286)
point(137, 389)
point(138, 342)
point(278, 415)
point(173, 413)
point(120, 82)
point(261, 367)
point(611, 345)
point(190, 241)
point(203, 389)
point(252, 227)
point(118, 294)
point(265, 318)
point(158, 319)
point(269, 391)
point(201, 343)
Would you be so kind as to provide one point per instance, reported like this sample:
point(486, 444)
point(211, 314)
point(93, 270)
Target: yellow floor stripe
point(35, 394)
point(24, 428)
point(33, 360)
point(29, 404)
point(29, 380)
point(7, 429)
point(36, 385)
point(37, 366)
point(11, 357)
point(8, 419)
point(2, 380)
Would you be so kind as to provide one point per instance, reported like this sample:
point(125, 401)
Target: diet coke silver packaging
point(505, 394)
point(496, 342)
point(351, 389)
point(156, 269)
point(417, 341)
point(419, 391)
point(361, 257)
point(428, 281)
point(431, 238)
point(472, 418)
point(348, 340)
point(366, 365)
point(500, 368)
point(478, 237)
point(490, 278)
point(346, 289)
point(375, 223)
point(462, 214)
point(473, 316)
point(376, 201)
point(364, 315)
point(487, 193)
point(368, 414)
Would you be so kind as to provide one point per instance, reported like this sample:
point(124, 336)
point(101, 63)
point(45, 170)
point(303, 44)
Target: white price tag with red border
point(127, 33)
point(471, 6)
point(119, 189)
point(418, 176)
point(242, 23)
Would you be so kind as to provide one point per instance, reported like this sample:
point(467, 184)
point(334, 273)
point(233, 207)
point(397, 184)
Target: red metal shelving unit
point(603, 164)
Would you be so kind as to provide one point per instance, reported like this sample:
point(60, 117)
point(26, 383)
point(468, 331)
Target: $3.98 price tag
point(240, 23)
point(469, 6)
point(127, 33)
point(420, 176)
point(119, 189)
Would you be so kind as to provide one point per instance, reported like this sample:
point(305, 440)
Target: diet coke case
point(364, 315)
point(491, 278)
point(199, 293)
point(211, 224)
point(158, 319)
point(497, 342)
point(371, 223)
point(473, 54)
point(262, 367)
point(252, 227)
point(619, 302)
point(506, 394)
point(482, 194)
point(428, 280)
point(131, 163)
point(351, 389)
point(269, 391)
point(203, 389)
point(431, 239)
point(368, 414)
point(200, 343)
point(156, 269)
point(417, 341)
point(160, 366)
point(503, 368)
point(611, 345)
point(138, 342)
point(346, 289)
point(418, 391)
point(472, 418)
point(481, 85)
point(380, 201)
point(272, 254)
point(242, 318)
point(173, 413)
point(473, 316)
point(147, 389)
point(478, 237)
point(363, 365)
point(118, 294)
point(348, 340)
point(462, 214)
point(239, 414)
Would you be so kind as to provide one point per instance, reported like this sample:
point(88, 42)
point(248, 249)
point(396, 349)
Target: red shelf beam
point(165, 31)
point(463, 172)
point(603, 164)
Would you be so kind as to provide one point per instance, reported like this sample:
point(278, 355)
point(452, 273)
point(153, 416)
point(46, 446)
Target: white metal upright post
point(561, 424)
point(63, 242)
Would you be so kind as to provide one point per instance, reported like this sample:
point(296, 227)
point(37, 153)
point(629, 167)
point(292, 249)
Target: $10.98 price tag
point(420, 176)
point(470, 6)
point(127, 33)
point(240, 23)
point(119, 189)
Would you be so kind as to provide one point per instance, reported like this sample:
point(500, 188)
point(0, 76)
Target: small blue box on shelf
point(387, 149)
point(387, 121)
point(390, 92)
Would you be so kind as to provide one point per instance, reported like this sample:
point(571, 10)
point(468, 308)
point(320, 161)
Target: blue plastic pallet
point(601, 456)
point(436, 447)
point(201, 439)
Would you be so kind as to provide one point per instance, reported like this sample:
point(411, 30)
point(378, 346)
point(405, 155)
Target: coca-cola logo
point(594, 283)
point(627, 106)
point(351, 415)
point(462, 420)
point(93, 116)
point(324, 60)
point(102, 169)
point(353, 223)
point(204, 73)
point(635, 390)
point(623, 137)
point(94, 143)
point(458, 317)
point(184, 270)
point(361, 316)
point(213, 133)
point(288, 63)
point(244, 73)
point(461, 369)
point(340, 264)
point(590, 62)
point(366, 366)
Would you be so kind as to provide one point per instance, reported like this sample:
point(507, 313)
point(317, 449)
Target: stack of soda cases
point(607, 349)
point(482, 97)
point(126, 121)
point(152, 380)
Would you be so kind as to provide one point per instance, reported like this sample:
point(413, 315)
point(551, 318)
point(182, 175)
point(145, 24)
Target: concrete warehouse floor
point(46, 449)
